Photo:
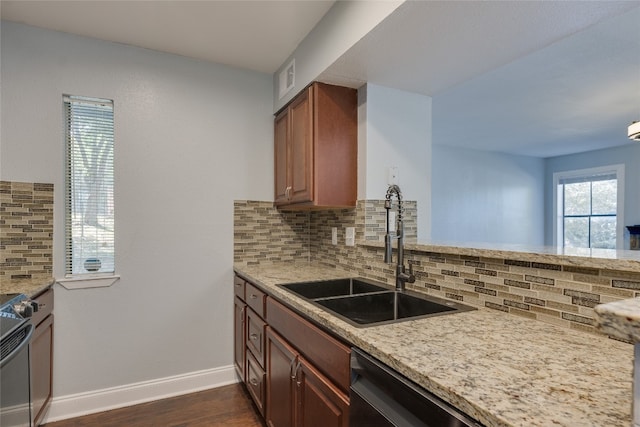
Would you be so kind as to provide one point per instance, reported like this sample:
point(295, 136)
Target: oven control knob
point(24, 309)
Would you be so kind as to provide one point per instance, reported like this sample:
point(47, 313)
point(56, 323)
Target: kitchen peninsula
point(529, 356)
point(500, 369)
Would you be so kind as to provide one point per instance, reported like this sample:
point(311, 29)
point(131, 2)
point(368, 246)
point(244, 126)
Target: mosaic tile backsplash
point(26, 230)
point(264, 234)
point(563, 295)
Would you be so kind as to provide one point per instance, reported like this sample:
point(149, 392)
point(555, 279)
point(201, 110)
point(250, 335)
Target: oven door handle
point(25, 342)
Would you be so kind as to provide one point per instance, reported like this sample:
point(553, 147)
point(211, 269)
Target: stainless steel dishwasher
point(382, 397)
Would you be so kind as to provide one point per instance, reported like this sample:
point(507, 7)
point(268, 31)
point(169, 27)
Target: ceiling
point(256, 35)
point(537, 78)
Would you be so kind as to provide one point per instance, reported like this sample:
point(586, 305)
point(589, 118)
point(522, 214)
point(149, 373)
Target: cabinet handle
point(253, 296)
point(293, 368)
point(298, 379)
point(254, 382)
point(254, 337)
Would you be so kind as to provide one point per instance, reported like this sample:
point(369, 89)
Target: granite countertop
point(29, 287)
point(501, 369)
point(620, 319)
point(626, 260)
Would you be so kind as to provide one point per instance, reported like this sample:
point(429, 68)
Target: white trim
point(557, 223)
point(88, 281)
point(75, 405)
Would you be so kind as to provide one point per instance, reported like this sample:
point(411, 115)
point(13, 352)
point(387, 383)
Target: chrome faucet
point(402, 277)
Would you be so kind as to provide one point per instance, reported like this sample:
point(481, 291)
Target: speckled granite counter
point(579, 257)
point(501, 369)
point(29, 287)
point(620, 319)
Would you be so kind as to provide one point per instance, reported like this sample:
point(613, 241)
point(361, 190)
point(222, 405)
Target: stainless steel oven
point(16, 331)
point(382, 397)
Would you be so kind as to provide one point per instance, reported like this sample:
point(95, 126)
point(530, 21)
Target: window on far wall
point(89, 186)
point(589, 207)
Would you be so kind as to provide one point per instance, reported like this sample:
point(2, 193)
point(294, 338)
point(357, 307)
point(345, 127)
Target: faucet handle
point(412, 277)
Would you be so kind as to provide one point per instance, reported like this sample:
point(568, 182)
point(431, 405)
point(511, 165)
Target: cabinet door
point(281, 136)
point(318, 402)
point(281, 360)
point(41, 353)
point(301, 148)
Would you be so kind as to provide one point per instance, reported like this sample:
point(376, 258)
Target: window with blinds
point(90, 224)
point(589, 208)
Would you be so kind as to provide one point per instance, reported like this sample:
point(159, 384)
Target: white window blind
point(89, 186)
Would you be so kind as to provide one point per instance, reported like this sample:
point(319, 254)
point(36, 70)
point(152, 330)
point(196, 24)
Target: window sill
point(97, 281)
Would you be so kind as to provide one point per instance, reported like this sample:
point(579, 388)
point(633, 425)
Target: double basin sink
point(365, 303)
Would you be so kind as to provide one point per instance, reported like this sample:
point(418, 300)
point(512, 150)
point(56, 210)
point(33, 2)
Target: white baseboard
point(76, 405)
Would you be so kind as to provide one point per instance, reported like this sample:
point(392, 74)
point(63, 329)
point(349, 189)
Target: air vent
point(287, 78)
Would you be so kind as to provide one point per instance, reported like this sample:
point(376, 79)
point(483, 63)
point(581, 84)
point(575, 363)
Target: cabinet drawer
point(238, 287)
point(256, 383)
point(255, 336)
point(45, 306)
point(255, 298)
point(321, 349)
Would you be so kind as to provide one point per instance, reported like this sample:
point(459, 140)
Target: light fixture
point(634, 131)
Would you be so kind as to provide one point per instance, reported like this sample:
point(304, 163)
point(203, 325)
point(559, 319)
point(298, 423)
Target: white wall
point(487, 197)
point(395, 130)
point(342, 26)
point(190, 138)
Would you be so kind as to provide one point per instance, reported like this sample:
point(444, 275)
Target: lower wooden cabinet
point(297, 393)
point(239, 336)
point(256, 382)
point(296, 373)
point(281, 360)
point(319, 402)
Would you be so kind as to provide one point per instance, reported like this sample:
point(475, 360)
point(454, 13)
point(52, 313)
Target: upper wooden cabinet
point(316, 149)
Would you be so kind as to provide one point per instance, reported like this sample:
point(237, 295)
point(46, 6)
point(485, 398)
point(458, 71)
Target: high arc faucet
point(402, 277)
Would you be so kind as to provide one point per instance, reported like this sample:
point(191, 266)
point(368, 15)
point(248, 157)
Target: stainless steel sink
point(333, 288)
point(363, 303)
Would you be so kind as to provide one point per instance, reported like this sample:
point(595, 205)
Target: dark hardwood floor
point(228, 406)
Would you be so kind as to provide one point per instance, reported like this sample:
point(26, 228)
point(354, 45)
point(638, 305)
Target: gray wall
point(486, 197)
point(190, 138)
point(394, 129)
point(342, 26)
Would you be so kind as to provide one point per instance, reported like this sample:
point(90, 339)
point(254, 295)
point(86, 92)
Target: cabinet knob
point(253, 337)
point(26, 308)
point(253, 381)
point(253, 296)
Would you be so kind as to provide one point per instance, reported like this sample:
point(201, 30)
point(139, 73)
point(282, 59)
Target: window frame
point(558, 200)
point(78, 280)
